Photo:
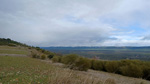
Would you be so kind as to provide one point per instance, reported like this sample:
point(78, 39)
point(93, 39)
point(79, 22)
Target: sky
point(76, 22)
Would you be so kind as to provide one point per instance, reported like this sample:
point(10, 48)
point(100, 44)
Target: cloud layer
point(76, 22)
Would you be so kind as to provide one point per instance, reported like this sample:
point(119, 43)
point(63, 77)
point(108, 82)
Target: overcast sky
point(76, 22)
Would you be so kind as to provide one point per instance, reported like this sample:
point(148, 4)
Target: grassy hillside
point(25, 70)
point(18, 66)
point(9, 47)
point(13, 50)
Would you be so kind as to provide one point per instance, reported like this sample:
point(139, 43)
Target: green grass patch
point(8, 47)
point(25, 70)
point(22, 70)
point(14, 52)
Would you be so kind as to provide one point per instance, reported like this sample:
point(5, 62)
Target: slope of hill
point(10, 47)
point(25, 70)
point(17, 67)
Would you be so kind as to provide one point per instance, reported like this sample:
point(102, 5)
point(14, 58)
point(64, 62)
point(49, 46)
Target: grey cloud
point(44, 22)
point(147, 37)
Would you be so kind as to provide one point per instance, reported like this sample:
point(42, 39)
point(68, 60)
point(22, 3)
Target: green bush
point(50, 56)
point(112, 66)
point(43, 57)
point(82, 64)
point(128, 62)
point(56, 59)
point(13, 45)
point(98, 65)
point(75, 62)
point(34, 55)
point(38, 56)
point(146, 73)
point(69, 59)
point(132, 70)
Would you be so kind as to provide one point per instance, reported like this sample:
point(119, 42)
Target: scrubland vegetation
point(132, 68)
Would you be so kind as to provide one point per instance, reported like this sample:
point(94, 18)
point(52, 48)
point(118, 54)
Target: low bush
point(97, 65)
point(56, 59)
point(128, 62)
point(82, 64)
point(50, 56)
point(12, 45)
point(69, 59)
point(75, 62)
point(112, 66)
point(132, 70)
point(43, 57)
point(146, 73)
point(34, 55)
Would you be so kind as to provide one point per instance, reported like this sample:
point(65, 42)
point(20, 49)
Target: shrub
point(128, 62)
point(34, 55)
point(112, 66)
point(82, 64)
point(146, 73)
point(38, 56)
point(43, 57)
point(50, 56)
point(75, 62)
point(97, 65)
point(56, 59)
point(69, 59)
point(12, 45)
point(29, 48)
point(132, 70)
